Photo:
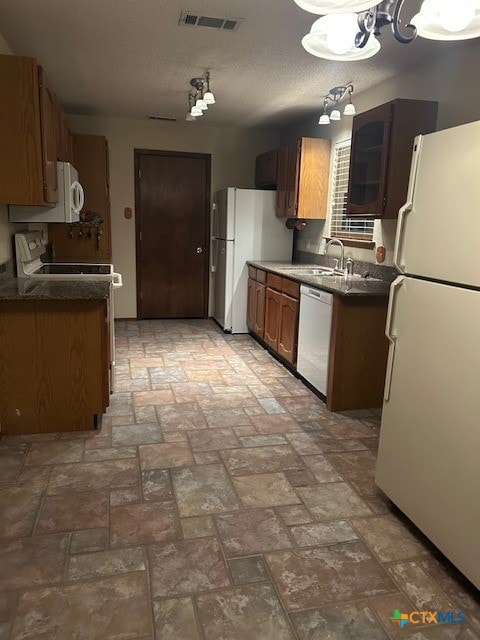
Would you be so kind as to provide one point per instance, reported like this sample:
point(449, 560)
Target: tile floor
point(219, 501)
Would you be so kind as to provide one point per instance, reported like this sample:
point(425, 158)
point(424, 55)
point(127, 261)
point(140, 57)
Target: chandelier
point(199, 97)
point(332, 99)
point(349, 29)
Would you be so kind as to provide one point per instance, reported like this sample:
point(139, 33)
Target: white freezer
point(244, 227)
point(429, 455)
point(438, 233)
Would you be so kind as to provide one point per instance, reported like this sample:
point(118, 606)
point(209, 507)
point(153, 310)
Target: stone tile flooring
point(219, 501)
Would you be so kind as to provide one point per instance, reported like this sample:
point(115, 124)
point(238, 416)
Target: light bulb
point(349, 109)
point(196, 112)
point(209, 98)
point(342, 29)
point(335, 115)
point(201, 104)
point(455, 16)
point(324, 119)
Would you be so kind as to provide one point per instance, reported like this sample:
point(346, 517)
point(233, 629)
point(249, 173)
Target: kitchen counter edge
point(38, 289)
point(341, 285)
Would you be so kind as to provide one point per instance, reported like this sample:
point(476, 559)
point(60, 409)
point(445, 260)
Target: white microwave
point(71, 199)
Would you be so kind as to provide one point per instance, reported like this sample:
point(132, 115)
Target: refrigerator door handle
point(408, 207)
point(390, 336)
point(404, 211)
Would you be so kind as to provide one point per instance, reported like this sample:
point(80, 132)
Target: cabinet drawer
point(252, 273)
point(261, 276)
point(274, 282)
point(291, 288)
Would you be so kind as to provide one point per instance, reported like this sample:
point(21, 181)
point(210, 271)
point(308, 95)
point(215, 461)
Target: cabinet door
point(251, 304)
point(293, 171)
point(287, 339)
point(273, 309)
point(48, 117)
point(266, 169)
point(369, 162)
point(259, 320)
point(282, 171)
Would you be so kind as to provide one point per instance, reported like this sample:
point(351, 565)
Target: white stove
point(30, 247)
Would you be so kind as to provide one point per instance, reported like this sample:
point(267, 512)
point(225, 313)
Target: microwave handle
point(78, 197)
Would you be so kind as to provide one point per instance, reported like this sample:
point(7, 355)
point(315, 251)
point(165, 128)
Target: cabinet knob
point(199, 250)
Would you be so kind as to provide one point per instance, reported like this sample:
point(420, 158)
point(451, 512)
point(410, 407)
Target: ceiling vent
point(192, 19)
point(162, 118)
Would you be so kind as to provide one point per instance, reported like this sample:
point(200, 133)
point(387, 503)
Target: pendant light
point(350, 107)
point(324, 118)
point(189, 117)
point(348, 29)
point(439, 20)
point(209, 97)
point(333, 37)
point(324, 7)
point(334, 97)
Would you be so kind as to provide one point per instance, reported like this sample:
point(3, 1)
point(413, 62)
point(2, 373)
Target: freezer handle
point(404, 211)
point(390, 336)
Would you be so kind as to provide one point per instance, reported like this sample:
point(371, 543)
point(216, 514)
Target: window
point(340, 226)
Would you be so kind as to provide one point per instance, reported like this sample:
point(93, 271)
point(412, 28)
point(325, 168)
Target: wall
point(449, 78)
point(233, 164)
point(6, 229)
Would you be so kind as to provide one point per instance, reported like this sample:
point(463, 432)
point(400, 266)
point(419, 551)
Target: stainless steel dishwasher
point(314, 332)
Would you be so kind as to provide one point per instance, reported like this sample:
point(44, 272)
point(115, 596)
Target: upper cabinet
point(300, 172)
point(303, 177)
point(382, 144)
point(80, 242)
point(34, 134)
point(266, 170)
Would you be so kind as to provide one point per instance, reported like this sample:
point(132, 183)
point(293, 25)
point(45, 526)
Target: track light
point(202, 99)
point(334, 97)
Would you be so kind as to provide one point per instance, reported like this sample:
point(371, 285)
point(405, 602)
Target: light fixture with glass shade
point(189, 117)
point(334, 97)
point(348, 29)
point(201, 99)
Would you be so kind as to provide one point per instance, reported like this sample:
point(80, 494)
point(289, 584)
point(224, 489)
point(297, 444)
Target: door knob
point(199, 250)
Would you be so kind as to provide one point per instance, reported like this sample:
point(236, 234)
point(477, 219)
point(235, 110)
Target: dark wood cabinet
point(273, 311)
point(287, 339)
point(382, 145)
point(282, 177)
point(251, 304)
point(303, 170)
point(34, 134)
point(74, 338)
point(49, 127)
point(266, 170)
point(259, 318)
point(91, 161)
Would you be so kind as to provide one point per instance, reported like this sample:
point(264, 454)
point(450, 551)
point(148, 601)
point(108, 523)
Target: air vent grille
point(191, 19)
point(163, 118)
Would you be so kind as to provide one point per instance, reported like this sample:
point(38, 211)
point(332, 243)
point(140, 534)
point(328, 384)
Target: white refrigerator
point(429, 455)
point(244, 227)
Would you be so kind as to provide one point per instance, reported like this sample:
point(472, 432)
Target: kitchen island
point(54, 355)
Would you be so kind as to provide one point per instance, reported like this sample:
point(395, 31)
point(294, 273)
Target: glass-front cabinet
point(369, 162)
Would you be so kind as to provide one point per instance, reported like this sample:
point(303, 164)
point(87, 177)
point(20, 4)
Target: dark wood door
point(369, 162)
point(172, 218)
point(49, 126)
point(273, 309)
point(259, 324)
point(282, 171)
point(293, 176)
point(287, 339)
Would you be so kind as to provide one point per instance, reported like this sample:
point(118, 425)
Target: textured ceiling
point(129, 58)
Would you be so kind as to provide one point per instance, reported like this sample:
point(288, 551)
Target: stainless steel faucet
point(342, 247)
point(349, 266)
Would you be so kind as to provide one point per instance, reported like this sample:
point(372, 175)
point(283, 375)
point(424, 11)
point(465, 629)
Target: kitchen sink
point(315, 272)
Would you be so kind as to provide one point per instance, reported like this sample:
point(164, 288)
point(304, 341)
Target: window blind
point(340, 226)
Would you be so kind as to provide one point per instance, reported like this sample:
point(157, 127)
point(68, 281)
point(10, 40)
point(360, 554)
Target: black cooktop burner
point(74, 269)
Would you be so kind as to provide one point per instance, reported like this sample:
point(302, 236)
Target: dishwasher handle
point(316, 294)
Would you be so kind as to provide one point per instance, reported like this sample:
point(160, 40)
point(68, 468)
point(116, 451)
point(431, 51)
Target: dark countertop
point(345, 286)
point(38, 289)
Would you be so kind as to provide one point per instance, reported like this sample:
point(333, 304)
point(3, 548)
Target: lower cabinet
point(251, 304)
point(259, 317)
point(66, 383)
point(287, 338)
point(273, 314)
